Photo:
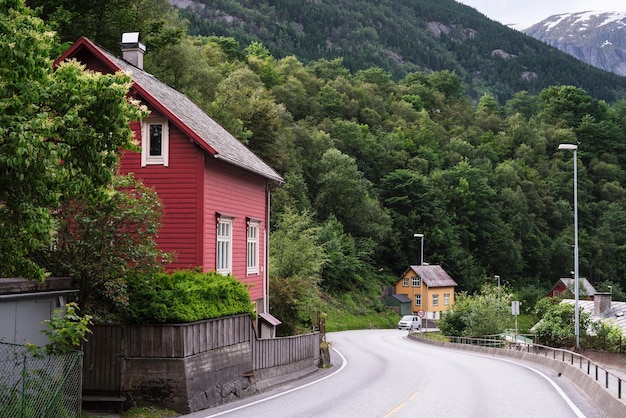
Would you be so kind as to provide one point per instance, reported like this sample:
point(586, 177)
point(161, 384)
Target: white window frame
point(416, 281)
point(436, 299)
point(146, 158)
point(224, 247)
point(405, 282)
point(446, 298)
point(418, 300)
point(252, 247)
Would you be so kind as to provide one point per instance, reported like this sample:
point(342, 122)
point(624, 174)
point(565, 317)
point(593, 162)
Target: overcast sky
point(523, 13)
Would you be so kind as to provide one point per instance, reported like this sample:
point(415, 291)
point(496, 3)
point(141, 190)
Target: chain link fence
point(34, 384)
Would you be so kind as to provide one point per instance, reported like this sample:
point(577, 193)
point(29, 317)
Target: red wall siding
point(192, 189)
point(177, 187)
point(240, 194)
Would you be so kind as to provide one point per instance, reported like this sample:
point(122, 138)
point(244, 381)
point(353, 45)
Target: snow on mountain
point(595, 37)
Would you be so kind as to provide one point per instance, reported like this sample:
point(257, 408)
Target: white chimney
point(133, 49)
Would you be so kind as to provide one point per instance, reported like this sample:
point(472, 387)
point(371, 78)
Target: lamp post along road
point(422, 250)
point(574, 148)
point(498, 278)
point(421, 236)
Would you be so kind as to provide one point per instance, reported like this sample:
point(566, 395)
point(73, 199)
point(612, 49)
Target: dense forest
point(371, 157)
point(401, 37)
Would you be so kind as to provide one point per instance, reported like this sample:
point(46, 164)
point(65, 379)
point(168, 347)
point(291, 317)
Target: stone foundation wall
point(192, 383)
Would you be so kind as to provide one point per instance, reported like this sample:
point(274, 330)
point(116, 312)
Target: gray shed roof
point(184, 113)
point(401, 298)
point(269, 318)
point(433, 276)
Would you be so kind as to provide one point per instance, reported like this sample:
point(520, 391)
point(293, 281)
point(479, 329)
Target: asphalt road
point(381, 373)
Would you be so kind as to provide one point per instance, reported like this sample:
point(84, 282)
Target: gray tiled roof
point(226, 146)
point(616, 314)
point(433, 276)
point(583, 284)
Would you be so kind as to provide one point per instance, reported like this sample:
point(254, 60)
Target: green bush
point(185, 296)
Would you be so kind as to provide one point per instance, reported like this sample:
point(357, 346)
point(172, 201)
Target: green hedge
point(185, 296)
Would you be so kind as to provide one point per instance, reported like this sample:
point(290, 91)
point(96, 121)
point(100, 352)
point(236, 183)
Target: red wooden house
point(214, 190)
point(564, 289)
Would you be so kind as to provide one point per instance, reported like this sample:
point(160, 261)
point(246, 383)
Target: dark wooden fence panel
point(151, 341)
point(282, 351)
point(183, 340)
point(102, 362)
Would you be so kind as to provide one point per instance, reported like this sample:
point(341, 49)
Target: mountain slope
point(597, 38)
point(402, 36)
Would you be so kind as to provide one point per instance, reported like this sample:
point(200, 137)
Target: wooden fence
point(111, 345)
point(282, 351)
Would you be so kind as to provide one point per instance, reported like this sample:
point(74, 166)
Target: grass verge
point(357, 311)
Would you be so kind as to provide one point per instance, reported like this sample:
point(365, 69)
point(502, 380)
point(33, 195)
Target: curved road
point(381, 373)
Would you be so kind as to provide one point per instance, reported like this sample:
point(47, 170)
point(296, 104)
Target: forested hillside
point(370, 159)
point(400, 37)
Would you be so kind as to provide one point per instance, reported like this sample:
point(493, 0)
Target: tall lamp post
point(422, 251)
point(574, 147)
point(498, 278)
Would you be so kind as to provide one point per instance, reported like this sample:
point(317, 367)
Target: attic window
point(155, 142)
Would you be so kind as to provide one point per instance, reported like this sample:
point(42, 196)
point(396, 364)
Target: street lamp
point(574, 147)
point(422, 251)
point(498, 278)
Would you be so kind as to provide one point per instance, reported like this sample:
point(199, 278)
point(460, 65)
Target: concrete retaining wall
point(191, 383)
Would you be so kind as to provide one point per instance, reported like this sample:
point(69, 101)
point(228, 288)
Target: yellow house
point(430, 289)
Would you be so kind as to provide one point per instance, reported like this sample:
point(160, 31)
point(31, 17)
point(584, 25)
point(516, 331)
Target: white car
point(410, 322)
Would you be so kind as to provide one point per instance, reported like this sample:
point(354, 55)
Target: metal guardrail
point(33, 384)
point(611, 382)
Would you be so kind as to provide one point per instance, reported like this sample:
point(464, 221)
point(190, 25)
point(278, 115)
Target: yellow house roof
point(433, 276)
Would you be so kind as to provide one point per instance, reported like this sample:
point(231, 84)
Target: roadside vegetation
point(489, 313)
point(358, 311)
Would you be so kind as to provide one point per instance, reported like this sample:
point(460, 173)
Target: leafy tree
point(296, 262)
point(477, 315)
point(523, 103)
point(247, 109)
point(104, 22)
point(556, 328)
point(341, 189)
point(329, 69)
point(528, 296)
point(263, 63)
point(99, 241)
point(607, 336)
point(195, 66)
point(348, 265)
point(331, 101)
point(446, 82)
point(568, 105)
point(55, 143)
point(292, 94)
